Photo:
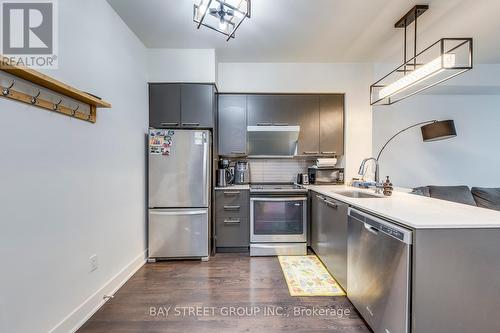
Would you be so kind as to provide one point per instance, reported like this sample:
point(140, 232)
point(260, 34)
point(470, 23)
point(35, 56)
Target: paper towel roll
point(326, 162)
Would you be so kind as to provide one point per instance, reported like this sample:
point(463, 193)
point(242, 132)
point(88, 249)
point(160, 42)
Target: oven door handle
point(279, 199)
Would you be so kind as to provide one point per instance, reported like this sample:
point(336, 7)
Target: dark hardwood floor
point(229, 293)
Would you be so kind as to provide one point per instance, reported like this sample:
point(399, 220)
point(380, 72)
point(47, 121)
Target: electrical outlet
point(93, 263)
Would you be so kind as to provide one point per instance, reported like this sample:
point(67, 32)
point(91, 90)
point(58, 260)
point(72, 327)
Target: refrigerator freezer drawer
point(178, 233)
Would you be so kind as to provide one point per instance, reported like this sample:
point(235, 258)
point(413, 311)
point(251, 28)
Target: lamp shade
point(438, 130)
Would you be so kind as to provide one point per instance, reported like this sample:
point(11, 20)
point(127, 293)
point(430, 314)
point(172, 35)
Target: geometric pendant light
point(224, 16)
point(443, 60)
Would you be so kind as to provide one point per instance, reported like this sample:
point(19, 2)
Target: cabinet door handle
point(169, 124)
point(280, 124)
point(232, 207)
point(311, 153)
point(190, 124)
point(238, 153)
point(230, 221)
point(264, 124)
point(329, 152)
point(232, 193)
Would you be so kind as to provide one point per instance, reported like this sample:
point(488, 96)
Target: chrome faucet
point(362, 168)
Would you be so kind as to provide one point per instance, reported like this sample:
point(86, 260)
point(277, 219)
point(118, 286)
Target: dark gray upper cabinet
point(260, 109)
point(197, 105)
point(306, 110)
point(291, 110)
point(273, 110)
point(181, 105)
point(164, 105)
point(232, 125)
point(320, 117)
point(331, 134)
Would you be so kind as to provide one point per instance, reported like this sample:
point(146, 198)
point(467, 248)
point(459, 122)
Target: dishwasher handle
point(371, 229)
point(377, 225)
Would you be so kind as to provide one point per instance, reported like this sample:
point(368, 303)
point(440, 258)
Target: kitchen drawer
point(238, 209)
point(232, 232)
point(228, 197)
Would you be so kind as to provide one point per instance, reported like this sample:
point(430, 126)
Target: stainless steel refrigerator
point(179, 193)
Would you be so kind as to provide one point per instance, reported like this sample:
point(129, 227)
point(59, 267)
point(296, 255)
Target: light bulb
point(428, 70)
point(222, 24)
point(202, 8)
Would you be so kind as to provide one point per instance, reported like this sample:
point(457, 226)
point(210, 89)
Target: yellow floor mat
point(306, 276)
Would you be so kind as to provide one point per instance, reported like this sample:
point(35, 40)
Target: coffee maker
point(225, 173)
point(241, 173)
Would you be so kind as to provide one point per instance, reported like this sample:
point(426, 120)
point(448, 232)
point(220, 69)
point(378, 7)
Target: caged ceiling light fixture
point(443, 60)
point(224, 16)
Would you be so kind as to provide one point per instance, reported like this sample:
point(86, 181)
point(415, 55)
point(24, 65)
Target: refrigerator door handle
point(205, 170)
point(178, 213)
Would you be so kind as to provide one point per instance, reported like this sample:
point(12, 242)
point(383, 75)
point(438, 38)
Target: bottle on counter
point(388, 188)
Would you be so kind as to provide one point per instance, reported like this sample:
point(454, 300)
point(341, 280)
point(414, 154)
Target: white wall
point(177, 65)
point(352, 79)
point(469, 159)
point(70, 189)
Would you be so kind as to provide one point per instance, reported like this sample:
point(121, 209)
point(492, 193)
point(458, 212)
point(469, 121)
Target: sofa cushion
point(487, 197)
point(459, 194)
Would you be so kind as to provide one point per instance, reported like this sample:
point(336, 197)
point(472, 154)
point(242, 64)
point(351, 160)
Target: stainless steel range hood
point(273, 141)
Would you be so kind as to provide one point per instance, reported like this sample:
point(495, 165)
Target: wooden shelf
point(51, 84)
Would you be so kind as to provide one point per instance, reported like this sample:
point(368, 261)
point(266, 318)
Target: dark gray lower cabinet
point(329, 235)
point(232, 216)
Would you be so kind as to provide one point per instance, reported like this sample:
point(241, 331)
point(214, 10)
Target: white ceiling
point(317, 30)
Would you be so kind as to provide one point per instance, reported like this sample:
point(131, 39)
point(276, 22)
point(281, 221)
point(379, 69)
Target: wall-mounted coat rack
point(31, 87)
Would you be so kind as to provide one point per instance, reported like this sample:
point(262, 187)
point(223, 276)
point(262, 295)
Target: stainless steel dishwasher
point(378, 275)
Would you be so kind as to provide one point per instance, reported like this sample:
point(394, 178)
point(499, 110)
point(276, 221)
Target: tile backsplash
point(276, 171)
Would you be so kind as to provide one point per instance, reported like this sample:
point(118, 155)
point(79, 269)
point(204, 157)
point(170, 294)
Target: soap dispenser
point(388, 188)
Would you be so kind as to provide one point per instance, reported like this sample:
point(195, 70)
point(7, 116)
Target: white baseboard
point(84, 311)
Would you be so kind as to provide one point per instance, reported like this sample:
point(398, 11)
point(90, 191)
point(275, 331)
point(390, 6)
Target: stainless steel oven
point(278, 221)
point(281, 219)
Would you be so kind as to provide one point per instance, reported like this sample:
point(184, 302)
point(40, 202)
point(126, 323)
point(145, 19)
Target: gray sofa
point(477, 196)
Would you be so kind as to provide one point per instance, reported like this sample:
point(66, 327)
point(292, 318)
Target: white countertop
point(234, 187)
point(416, 211)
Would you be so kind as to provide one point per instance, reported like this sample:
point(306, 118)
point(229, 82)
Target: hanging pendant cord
point(415, 42)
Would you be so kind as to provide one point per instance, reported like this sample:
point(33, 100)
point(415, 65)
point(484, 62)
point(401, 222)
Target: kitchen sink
point(359, 194)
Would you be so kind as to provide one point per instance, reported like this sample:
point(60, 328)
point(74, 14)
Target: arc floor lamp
point(432, 130)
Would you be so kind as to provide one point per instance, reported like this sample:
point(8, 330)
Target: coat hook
point(56, 105)
point(34, 99)
point(6, 91)
point(74, 110)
